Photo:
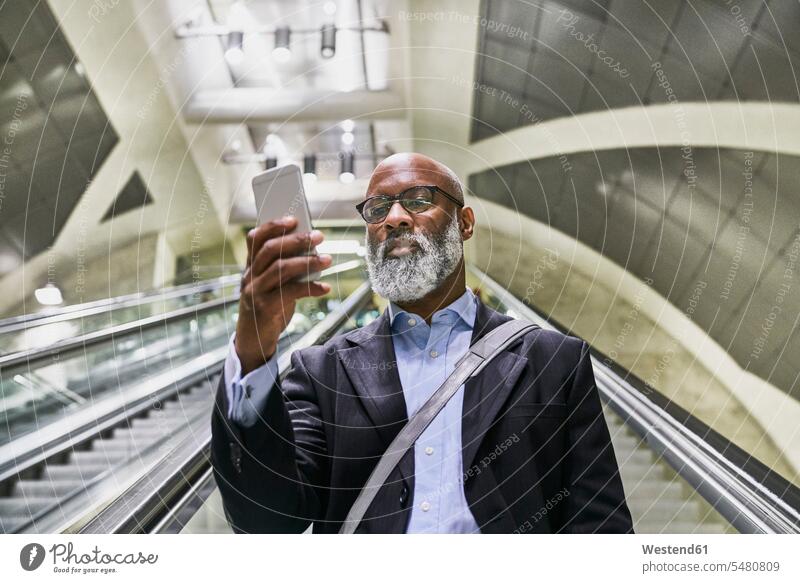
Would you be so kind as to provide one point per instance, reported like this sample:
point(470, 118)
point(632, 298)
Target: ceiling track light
point(282, 34)
point(282, 52)
point(234, 53)
point(231, 157)
point(347, 173)
point(328, 45)
point(310, 165)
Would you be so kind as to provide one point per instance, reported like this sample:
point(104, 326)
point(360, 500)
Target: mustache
point(407, 235)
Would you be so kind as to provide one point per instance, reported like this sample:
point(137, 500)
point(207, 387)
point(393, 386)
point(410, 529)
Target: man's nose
point(397, 217)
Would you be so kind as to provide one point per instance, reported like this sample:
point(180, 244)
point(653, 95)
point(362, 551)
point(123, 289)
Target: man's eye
point(416, 204)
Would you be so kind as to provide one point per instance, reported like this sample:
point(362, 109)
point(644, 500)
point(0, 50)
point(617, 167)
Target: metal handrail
point(85, 309)
point(142, 506)
point(753, 498)
point(60, 349)
point(64, 435)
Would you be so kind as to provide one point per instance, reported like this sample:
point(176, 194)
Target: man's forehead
point(399, 177)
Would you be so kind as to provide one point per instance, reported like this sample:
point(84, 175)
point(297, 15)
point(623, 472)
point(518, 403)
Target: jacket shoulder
point(546, 344)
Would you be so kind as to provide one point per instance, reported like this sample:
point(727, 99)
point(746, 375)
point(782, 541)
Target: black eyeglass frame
point(432, 188)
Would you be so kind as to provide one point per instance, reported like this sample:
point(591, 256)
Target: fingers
point(302, 289)
point(286, 269)
point(287, 292)
point(284, 246)
point(268, 230)
point(281, 273)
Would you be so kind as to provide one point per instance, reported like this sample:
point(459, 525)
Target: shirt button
point(429, 450)
point(425, 506)
point(412, 322)
point(434, 354)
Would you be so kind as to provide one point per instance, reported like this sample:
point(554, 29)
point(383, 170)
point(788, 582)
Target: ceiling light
point(310, 167)
point(347, 138)
point(234, 54)
point(348, 125)
point(48, 295)
point(329, 8)
point(347, 172)
point(281, 52)
point(328, 48)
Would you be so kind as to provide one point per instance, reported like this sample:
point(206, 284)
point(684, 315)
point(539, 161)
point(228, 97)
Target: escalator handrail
point(74, 311)
point(60, 349)
point(745, 494)
point(141, 507)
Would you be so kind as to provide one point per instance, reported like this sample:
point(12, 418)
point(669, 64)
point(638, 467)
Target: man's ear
point(466, 223)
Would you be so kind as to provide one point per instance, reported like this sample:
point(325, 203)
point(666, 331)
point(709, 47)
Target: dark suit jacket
point(537, 456)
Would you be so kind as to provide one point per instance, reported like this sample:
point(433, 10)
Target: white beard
point(412, 276)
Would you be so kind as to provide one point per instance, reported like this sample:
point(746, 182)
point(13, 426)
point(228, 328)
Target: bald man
point(522, 447)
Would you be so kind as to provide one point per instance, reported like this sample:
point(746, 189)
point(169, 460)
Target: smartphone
point(279, 192)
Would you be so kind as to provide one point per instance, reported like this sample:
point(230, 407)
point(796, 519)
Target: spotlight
point(348, 125)
point(310, 167)
point(49, 295)
point(234, 54)
point(329, 8)
point(328, 41)
point(281, 52)
point(270, 163)
point(348, 162)
point(347, 138)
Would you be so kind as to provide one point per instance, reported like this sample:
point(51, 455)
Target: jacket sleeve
point(596, 501)
point(273, 475)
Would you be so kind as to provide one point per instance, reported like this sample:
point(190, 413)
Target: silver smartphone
point(279, 192)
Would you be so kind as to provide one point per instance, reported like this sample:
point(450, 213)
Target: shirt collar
point(465, 307)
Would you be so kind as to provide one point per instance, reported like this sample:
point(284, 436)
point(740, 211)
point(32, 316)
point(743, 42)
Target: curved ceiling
point(716, 231)
point(544, 60)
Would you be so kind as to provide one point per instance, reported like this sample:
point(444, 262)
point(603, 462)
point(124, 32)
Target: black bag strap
point(473, 362)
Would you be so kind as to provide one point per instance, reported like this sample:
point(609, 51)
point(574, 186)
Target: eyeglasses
point(416, 199)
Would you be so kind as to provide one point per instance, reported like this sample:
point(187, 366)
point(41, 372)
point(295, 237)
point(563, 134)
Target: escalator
point(679, 475)
point(85, 418)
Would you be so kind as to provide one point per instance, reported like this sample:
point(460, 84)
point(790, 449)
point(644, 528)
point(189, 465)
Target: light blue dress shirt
point(426, 355)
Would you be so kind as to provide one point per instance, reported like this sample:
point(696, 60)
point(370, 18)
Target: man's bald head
point(405, 169)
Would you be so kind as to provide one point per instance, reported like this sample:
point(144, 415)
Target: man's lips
point(397, 247)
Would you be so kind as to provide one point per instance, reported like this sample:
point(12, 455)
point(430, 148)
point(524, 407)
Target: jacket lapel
point(371, 366)
point(485, 394)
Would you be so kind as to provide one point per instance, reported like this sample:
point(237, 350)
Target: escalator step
point(139, 433)
point(9, 524)
point(693, 528)
point(635, 457)
point(73, 471)
point(42, 488)
point(655, 490)
point(12, 508)
point(98, 457)
point(116, 445)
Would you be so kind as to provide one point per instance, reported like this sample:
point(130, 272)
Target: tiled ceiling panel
point(55, 133)
point(731, 229)
point(589, 55)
